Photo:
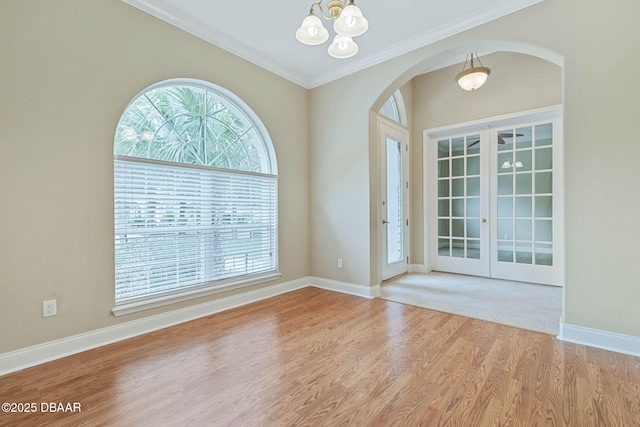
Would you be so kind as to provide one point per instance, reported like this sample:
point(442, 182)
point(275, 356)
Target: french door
point(393, 146)
point(494, 198)
point(459, 229)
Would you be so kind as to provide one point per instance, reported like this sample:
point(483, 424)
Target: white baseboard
point(35, 355)
point(417, 268)
point(611, 341)
point(46, 352)
point(345, 288)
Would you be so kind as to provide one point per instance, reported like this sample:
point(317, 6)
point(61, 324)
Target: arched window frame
point(248, 210)
point(395, 103)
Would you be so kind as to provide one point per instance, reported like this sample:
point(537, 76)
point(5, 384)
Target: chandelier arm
point(322, 12)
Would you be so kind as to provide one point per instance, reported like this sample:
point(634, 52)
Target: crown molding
point(196, 29)
point(207, 34)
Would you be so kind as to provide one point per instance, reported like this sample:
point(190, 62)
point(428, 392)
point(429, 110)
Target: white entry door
point(393, 142)
point(494, 198)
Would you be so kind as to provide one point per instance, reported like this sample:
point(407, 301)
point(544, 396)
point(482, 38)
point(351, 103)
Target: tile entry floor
point(525, 305)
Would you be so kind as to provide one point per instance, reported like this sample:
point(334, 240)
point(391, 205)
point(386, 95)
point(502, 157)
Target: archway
point(439, 63)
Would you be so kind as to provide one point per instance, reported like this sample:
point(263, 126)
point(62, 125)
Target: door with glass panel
point(394, 200)
point(458, 179)
point(526, 185)
point(494, 199)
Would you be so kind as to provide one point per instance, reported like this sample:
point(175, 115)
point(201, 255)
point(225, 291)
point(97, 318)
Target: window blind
point(178, 226)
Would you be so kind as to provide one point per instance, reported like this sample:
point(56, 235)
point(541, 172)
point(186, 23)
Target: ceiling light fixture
point(348, 22)
point(508, 165)
point(472, 78)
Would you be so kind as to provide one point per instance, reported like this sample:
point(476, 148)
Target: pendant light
point(472, 78)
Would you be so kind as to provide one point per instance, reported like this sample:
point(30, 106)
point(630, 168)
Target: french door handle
point(385, 222)
point(483, 220)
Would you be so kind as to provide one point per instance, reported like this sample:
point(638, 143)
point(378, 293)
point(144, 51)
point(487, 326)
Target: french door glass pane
point(457, 167)
point(473, 165)
point(443, 168)
point(523, 207)
point(473, 207)
point(544, 158)
point(395, 251)
point(525, 195)
point(473, 249)
point(523, 138)
point(544, 135)
point(505, 207)
point(444, 247)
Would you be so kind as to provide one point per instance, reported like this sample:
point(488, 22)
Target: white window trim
point(185, 295)
point(145, 302)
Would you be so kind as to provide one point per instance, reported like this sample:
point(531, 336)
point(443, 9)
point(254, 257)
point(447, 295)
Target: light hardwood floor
point(315, 357)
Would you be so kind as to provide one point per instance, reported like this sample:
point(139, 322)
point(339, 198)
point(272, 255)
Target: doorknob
point(483, 220)
point(385, 222)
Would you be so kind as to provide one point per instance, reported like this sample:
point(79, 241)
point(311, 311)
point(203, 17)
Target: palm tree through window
point(195, 192)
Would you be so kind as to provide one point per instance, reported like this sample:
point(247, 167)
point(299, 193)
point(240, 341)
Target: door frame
point(486, 125)
point(397, 131)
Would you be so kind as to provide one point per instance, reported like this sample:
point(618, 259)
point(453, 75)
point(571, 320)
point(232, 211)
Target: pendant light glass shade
point(472, 78)
point(351, 22)
point(343, 47)
point(311, 31)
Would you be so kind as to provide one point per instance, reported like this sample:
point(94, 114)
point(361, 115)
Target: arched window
point(195, 193)
point(390, 109)
point(394, 108)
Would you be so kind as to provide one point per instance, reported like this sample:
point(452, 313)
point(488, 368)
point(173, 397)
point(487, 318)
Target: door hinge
point(407, 222)
point(406, 147)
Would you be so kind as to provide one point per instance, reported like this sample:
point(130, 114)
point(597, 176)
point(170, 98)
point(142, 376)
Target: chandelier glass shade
point(348, 22)
point(351, 22)
point(343, 47)
point(472, 78)
point(312, 32)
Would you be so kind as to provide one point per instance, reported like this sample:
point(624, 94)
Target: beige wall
point(595, 42)
point(69, 68)
point(438, 101)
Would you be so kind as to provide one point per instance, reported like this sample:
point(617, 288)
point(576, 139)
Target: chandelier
point(348, 22)
point(472, 78)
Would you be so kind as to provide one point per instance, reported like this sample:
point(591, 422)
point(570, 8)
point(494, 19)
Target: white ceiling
point(263, 32)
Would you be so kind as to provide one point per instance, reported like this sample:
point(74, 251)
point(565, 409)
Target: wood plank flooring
point(319, 358)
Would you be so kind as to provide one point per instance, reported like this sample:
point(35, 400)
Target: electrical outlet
point(339, 262)
point(49, 308)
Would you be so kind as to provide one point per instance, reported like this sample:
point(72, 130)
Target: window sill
point(160, 301)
